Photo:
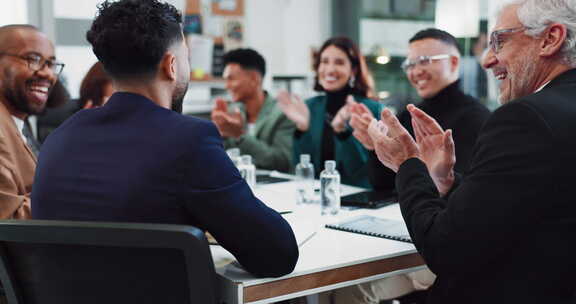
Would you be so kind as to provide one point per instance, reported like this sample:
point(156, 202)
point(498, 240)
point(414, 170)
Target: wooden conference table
point(329, 259)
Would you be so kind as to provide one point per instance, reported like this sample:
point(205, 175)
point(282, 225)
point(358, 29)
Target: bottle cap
point(305, 158)
point(246, 159)
point(330, 165)
point(233, 152)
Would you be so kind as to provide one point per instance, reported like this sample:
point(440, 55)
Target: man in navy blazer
point(137, 159)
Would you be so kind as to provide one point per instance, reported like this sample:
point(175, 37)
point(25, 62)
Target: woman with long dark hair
point(322, 121)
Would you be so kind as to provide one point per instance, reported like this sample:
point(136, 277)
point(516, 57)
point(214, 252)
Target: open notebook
point(374, 226)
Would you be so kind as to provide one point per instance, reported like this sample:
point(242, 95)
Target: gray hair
point(538, 14)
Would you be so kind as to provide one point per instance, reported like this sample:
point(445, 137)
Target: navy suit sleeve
point(221, 202)
point(474, 227)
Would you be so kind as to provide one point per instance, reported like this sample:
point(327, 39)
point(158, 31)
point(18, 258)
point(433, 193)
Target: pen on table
point(307, 239)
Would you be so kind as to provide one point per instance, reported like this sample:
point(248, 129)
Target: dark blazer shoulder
point(556, 106)
point(513, 114)
point(197, 124)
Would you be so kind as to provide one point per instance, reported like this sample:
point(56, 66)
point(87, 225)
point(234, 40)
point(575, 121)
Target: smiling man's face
point(514, 62)
point(430, 79)
point(22, 89)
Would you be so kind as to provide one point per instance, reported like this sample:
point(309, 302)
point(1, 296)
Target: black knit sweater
point(452, 109)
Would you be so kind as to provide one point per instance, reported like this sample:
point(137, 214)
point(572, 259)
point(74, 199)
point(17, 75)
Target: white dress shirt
point(20, 126)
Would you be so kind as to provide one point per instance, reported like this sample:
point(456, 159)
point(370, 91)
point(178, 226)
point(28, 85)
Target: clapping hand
point(360, 120)
point(343, 115)
point(228, 124)
point(295, 109)
point(392, 143)
point(436, 148)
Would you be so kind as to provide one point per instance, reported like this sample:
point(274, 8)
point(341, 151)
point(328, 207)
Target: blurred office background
point(286, 32)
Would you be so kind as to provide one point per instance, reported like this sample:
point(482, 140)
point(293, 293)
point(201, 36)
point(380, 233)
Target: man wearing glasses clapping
point(503, 231)
point(432, 67)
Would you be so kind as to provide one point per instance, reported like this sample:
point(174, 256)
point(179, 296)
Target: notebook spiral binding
point(344, 226)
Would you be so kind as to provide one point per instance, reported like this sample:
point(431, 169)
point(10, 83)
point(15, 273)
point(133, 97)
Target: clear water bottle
point(234, 154)
point(330, 189)
point(247, 170)
point(305, 179)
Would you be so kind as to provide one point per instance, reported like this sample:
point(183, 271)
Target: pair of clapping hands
point(394, 145)
point(229, 124)
point(297, 111)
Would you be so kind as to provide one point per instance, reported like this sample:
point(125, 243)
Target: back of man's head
point(130, 37)
point(248, 59)
point(440, 35)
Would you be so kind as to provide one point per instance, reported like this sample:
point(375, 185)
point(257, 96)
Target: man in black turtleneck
point(432, 67)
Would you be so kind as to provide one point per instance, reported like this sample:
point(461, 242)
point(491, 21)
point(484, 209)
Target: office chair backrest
point(93, 262)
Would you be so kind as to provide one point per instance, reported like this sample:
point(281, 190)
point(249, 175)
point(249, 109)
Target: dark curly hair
point(248, 59)
point(130, 37)
point(363, 84)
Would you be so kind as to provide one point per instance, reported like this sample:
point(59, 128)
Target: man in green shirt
point(262, 131)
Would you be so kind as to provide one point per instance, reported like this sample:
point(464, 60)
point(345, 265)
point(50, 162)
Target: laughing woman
point(322, 121)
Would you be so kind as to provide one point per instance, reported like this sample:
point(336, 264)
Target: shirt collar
point(19, 125)
point(540, 88)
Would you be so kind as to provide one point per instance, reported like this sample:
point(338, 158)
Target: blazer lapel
point(262, 120)
point(9, 129)
point(30, 153)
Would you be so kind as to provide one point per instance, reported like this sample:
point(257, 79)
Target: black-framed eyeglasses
point(37, 62)
point(496, 40)
point(409, 64)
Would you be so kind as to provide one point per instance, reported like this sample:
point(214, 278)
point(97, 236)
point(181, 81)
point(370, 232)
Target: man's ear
point(553, 40)
point(454, 63)
point(168, 66)
point(255, 77)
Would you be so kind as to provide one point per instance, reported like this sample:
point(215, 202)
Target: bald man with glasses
point(28, 72)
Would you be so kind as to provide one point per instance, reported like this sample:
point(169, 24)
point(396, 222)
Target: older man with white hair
point(502, 233)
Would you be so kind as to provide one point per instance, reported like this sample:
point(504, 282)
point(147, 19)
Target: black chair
point(93, 262)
